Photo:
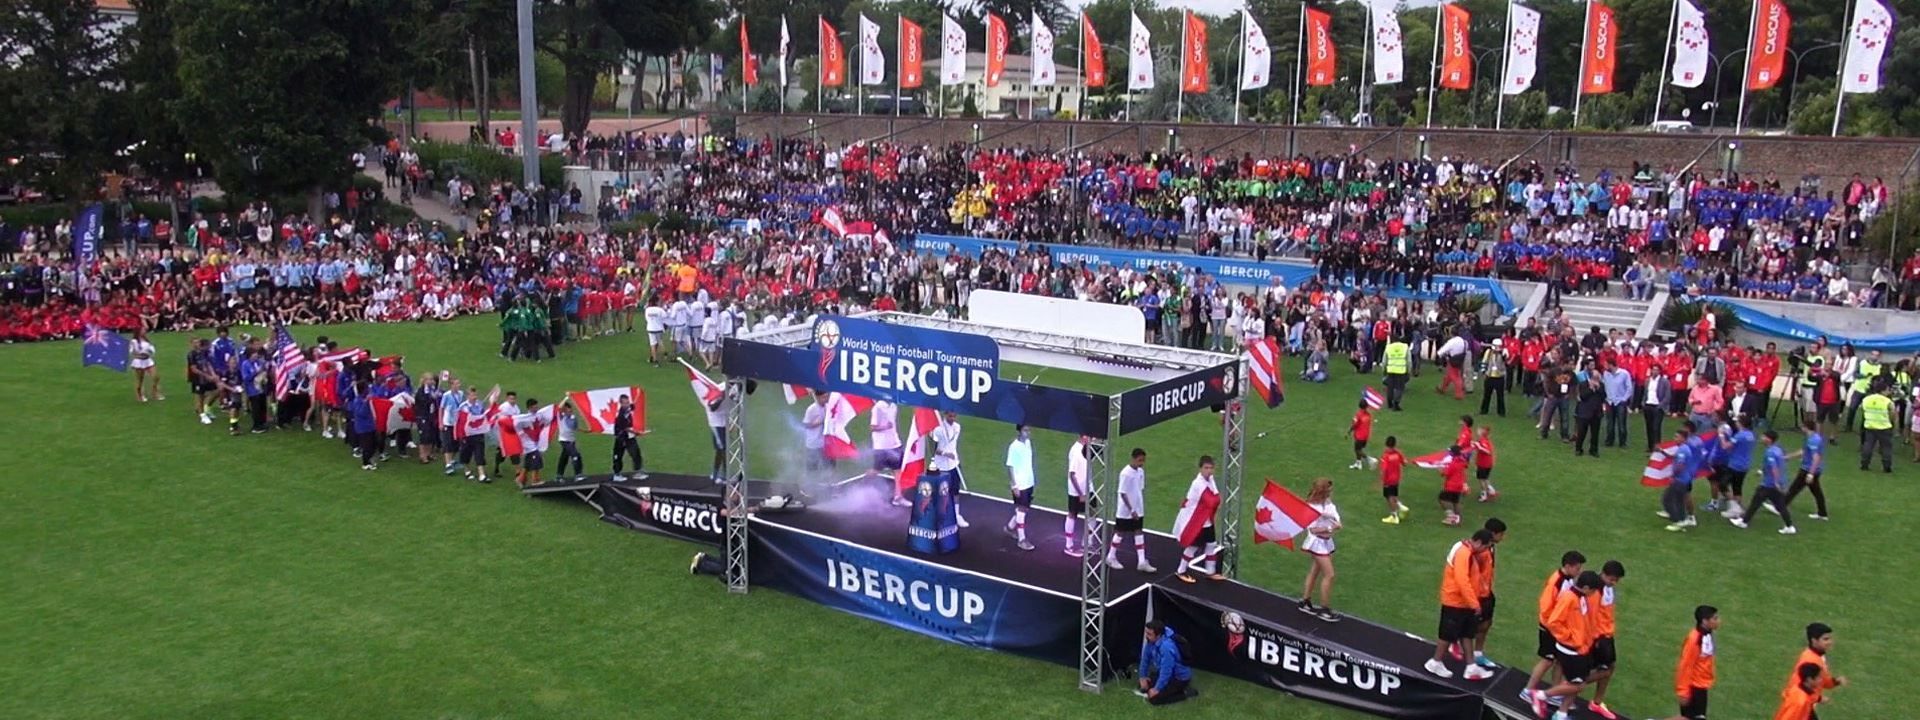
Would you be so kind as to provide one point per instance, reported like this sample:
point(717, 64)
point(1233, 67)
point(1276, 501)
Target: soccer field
point(157, 568)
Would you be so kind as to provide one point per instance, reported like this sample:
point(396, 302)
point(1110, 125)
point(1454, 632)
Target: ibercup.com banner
point(1144, 407)
point(911, 595)
point(916, 367)
point(1312, 665)
point(689, 516)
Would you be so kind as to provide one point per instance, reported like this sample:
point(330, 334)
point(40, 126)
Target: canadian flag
point(468, 424)
point(841, 410)
point(1280, 516)
point(527, 432)
point(705, 389)
point(392, 414)
point(598, 407)
point(913, 460)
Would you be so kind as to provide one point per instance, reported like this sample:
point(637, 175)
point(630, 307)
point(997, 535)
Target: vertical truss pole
point(736, 469)
point(1234, 465)
point(1096, 535)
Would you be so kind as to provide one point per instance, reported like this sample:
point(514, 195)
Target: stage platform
point(687, 507)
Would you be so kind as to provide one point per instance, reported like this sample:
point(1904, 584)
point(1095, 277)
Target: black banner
point(679, 514)
point(1141, 408)
point(1317, 663)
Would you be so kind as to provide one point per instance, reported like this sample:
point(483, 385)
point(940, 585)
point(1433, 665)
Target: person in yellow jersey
point(1867, 370)
point(1398, 359)
point(1876, 420)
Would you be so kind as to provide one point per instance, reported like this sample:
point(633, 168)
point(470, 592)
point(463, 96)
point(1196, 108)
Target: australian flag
point(105, 348)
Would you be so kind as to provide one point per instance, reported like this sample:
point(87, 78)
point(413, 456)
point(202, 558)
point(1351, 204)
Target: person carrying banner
point(1460, 604)
point(1130, 517)
point(1164, 676)
point(1194, 526)
point(1020, 482)
point(508, 407)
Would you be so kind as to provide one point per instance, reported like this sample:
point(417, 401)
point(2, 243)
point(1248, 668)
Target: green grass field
point(157, 568)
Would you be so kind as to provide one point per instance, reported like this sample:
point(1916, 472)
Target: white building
point(1015, 96)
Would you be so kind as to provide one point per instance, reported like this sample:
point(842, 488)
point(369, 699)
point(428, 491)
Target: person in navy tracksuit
point(366, 435)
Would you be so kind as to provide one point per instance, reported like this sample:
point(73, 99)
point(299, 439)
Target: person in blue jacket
point(1164, 677)
point(366, 436)
point(255, 374)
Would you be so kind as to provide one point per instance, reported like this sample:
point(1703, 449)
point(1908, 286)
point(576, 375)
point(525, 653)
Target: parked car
point(1673, 126)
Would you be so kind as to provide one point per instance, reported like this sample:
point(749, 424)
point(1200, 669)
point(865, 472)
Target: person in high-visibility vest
point(1398, 358)
point(1864, 374)
point(1876, 412)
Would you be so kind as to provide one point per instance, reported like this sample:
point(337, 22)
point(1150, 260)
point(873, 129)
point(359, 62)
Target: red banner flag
point(1603, 36)
point(1321, 56)
point(1193, 42)
point(996, 49)
point(749, 70)
point(1095, 56)
point(833, 57)
point(1771, 29)
point(1456, 52)
point(912, 52)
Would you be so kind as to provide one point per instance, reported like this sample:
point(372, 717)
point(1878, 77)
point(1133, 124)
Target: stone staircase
point(1612, 311)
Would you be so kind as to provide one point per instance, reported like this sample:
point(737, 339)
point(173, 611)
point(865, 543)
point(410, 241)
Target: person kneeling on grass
point(1164, 676)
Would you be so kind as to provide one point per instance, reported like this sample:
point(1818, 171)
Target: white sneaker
point(1817, 516)
point(1475, 672)
point(962, 522)
point(327, 433)
point(1145, 568)
point(1115, 563)
point(1435, 667)
point(1737, 522)
point(1769, 508)
point(206, 419)
point(1789, 530)
point(1691, 521)
point(1354, 466)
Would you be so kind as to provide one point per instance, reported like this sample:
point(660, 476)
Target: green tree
point(59, 94)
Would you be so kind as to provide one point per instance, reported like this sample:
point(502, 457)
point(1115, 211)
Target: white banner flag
point(1523, 51)
point(1042, 53)
point(1256, 62)
point(1690, 45)
point(953, 51)
point(1139, 57)
point(1866, 46)
point(873, 65)
point(783, 51)
point(1388, 65)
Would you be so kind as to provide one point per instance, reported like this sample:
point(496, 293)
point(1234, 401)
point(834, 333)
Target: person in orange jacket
point(1819, 643)
point(1693, 678)
point(1460, 604)
point(1797, 702)
point(1571, 624)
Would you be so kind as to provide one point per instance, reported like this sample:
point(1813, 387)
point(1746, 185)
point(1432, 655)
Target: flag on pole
point(1256, 59)
point(1659, 471)
point(749, 69)
point(288, 362)
point(1456, 54)
point(1603, 37)
point(1139, 56)
point(1093, 55)
point(1767, 51)
point(784, 42)
point(833, 57)
point(344, 357)
point(841, 410)
point(1388, 65)
point(830, 219)
point(1264, 372)
point(1280, 516)
point(913, 460)
point(1043, 70)
point(106, 348)
point(1193, 42)
point(873, 64)
point(598, 407)
point(1867, 44)
point(1373, 398)
point(1322, 59)
point(996, 49)
point(1692, 49)
point(527, 432)
point(1523, 51)
point(953, 51)
point(913, 43)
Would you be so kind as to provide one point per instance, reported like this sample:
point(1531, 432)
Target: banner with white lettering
point(930, 599)
point(1340, 665)
point(1144, 407)
point(690, 516)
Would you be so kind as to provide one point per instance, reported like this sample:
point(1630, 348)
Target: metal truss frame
point(1096, 535)
point(735, 463)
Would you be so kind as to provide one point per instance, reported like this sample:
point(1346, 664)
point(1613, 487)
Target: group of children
point(1471, 446)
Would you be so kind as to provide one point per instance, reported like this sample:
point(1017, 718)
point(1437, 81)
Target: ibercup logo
point(826, 335)
point(1236, 628)
point(925, 492)
point(645, 501)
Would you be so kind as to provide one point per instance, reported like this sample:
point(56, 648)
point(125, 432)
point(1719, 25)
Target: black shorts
point(888, 459)
point(1825, 412)
point(1390, 491)
point(1546, 649)
point(1205, 538)
point(1447, 496)
point(429, 434)
point(1574, 668)
point(202, 388)
point(1603, 655)
point(1486, 609)
point(718, 435)
point(1129, 525)
point(1482, 473)
point(1695, 708)
point(533, 460)
point(1734, 481)
point(1456, 624)
point(1075, 505)
point(1023, 498)
point(1359, 446)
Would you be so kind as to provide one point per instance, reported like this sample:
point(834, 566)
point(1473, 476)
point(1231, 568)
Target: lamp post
point(1719, 65)
point(1798, 56)
point(1479, 60)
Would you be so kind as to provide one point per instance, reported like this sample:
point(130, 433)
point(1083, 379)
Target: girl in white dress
point(140, 352)
point(1319, 545)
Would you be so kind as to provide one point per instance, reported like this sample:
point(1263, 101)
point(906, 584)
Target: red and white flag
point(1373, 398)
point(598, 407)
point(468, 424)
point(913, 460)
point(1432, 461)
point(795, 393)
point(1280, 516)
point(1659, 472)
point(841, 410)
point(1196, 510)
point(705, 389)
point(347, 356)
point(527, 432)
point(392, 414)
point(833, 221)
point(1265, 372)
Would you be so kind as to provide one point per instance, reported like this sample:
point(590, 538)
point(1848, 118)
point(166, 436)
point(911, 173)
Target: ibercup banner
point(86, 233)
point(689, 516)
point(1335, 666)
point(1144, 407)
point(921, 597)
point(916, 367)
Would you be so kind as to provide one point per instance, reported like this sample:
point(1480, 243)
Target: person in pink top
point(1703, 402)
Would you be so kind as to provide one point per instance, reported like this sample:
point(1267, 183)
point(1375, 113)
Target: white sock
point(1020, 528)
point(1072, 539)
point(1139, 546)
point(1186, 560)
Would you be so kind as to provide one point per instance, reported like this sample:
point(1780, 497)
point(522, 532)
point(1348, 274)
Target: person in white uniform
point(1131, 516)
point(1020, 482)
point(1078, 488)
point(656, 325)
point(882, 420)
point(946, 457)
point(1319, 545)
point(140, 353)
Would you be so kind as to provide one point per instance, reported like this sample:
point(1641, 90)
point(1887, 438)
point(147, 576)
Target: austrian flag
point(1280, 516)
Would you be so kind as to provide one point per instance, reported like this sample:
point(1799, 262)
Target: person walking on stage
point(1459, 604)
point(1194, 526)
point(946, 457)
point(1320, 546)
point(883, 421)
point(626, 442)
point(1020, 483)
point(1131, 516)
point(567, 432)
point(1078, 491)
point(1164, 676)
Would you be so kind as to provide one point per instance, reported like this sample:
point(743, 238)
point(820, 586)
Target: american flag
point(288, 362)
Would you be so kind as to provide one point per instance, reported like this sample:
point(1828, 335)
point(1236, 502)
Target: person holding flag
point(1319, 544)
point(626, 441)
point(1361, 429)
point(1194, 526)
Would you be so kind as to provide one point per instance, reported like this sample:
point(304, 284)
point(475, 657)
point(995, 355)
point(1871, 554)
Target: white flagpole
point(1506, 60)
point(900, 41)
point(820, 73)
point(1666, 54)
point(1580, 81)
point(1080, 71)
point(1840, 73)
point(1740, 114)
point(1299, 63)
point(1240, 74)
point(1433, 65)
point(1366, 52)
point(1180, 83)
